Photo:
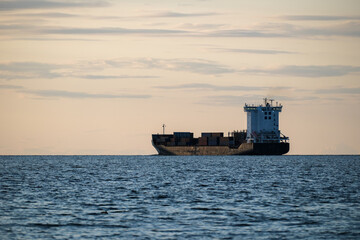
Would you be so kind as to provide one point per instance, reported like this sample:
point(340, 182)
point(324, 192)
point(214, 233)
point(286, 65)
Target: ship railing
point(284, 138)
point(255, 108)
point(264, 140)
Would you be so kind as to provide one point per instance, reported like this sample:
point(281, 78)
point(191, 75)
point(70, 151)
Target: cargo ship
point(262, 136)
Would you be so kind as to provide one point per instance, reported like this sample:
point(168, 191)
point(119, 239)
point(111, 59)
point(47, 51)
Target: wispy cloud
point(110, 30)
point(339, 90)
point(254, 93)
point(319, 17)
point(171, 14)
point(207, 26)
point(115, 76)
point(50, 93)
point(347, 29)
point(239, 100)
point(310, 71)
point(79, 95)
point(26, 27)
point(31, 70)
point(246, 33)
point(206, 86)
point(45, 4)
point(7, 86)
point(72, 94)
point(344, 29)
point(17, 70)
point(253, 51)
point(48, 15)
point(199, 66)
point(163, 14)
point(230, 100)
point(54, 39)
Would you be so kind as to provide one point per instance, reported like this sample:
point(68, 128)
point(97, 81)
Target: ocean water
point(155, 197)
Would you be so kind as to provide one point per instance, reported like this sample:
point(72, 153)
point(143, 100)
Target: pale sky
point(99, 76)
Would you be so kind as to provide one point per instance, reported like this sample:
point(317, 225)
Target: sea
point(180, 197)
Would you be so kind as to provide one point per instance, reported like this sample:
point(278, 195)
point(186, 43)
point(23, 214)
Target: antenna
point(271, 100)
point(163, 126)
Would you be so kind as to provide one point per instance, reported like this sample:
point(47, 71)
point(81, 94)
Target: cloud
point(270, 30)
point(13, 27)
point(6, 86)
point(193, 86)
point(278, 30)
point(16, 70)
point(80, 95)
point(161, 14)
point(245, 33)
point(170, 14)
point(55, 39)
point(230, 100)
point(27, 67)
point(348, 29)
point(311, 71)
point(253, 51)
point(115, 76)
point(339, 90)
point(206, 86)
point(70, 94)
point(30, 70)
point(319, 17)
point(45, 4)
point(199, 66)
point(239, 100)
point(110, 30)
point(49, 15)
point(200, 26)
point(279, 93)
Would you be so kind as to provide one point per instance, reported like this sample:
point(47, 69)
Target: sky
point(101, 76)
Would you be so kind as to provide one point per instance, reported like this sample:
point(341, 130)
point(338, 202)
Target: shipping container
point(183, 134)
point(223, 141)
point(184, 139)
point(213, 141)
point(217, 134)
point(212, 134)
point(205, 134)
point(202, 141)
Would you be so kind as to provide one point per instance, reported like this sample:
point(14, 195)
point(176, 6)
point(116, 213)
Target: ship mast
point(163, 126)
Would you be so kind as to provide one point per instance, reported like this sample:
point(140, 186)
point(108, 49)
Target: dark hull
point(243, 149)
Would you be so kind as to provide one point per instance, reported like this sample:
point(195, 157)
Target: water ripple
point(154, 197)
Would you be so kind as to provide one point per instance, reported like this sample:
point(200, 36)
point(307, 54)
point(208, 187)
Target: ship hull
point(243, 149)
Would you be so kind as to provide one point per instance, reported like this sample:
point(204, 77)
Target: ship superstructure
point(262, 137)
point(263, 123)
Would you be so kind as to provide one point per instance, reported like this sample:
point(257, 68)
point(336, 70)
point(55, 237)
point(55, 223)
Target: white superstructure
point(263, 123)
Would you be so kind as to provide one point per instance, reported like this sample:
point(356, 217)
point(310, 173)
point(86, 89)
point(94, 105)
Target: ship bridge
point(263, 123)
